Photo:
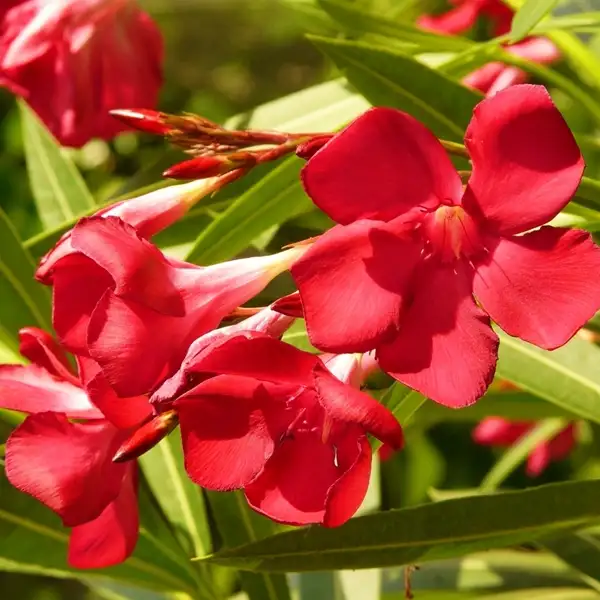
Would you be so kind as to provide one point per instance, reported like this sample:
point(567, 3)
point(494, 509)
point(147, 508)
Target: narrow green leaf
point(390, 78)
point(238, 524)
point(528, 16)
point(180, 499)
point(32, 540)
point(444, 529)
point(403, 402)
point(58, 189)
point(580, 551)
point(519, 451)
point(23, 301)
point(568, 377)
point(586, 22)
point(359, 21)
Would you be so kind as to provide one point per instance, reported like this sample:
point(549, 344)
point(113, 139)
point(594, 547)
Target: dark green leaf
point(441, 530)
point(58, 189)
point(390, 78)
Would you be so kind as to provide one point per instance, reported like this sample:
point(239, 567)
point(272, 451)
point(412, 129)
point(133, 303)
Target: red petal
point(483, 78)
point(43, 350)
point(347, 493)
point(139, 270)
point(294, 485)
point(123, 413)
point(526, 163)
point(537, 286)
point(343, 402)
point(32, 389)
point(229, 428)
point(381, 166)
point(289, 305)
point(540, 50)
point(66, 466)
point(446, 348)
point(78, 285)
point(347, 270)
point(111, 537)
point(495, 431)
point(257, 356)
point(538, 460)
point(454, 21)
point(562, 444)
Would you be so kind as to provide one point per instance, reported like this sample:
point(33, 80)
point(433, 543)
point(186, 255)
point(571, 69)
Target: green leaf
point(359, 21)
point(181, 500)
point(32, 540)
point(390, 78)
point(519, 451)
point(58, 189)
point(433, 531)
point(528, 16)
point(580, 551)
point(568, 377)
point(238, 524)
point(277, 196)
point(23, 301)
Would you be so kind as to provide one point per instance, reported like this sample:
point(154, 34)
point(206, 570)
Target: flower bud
point(148, 121)
point(206, 166)
point(309, 148)
point(147, 436)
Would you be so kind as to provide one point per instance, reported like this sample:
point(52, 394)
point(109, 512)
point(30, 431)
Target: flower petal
point(78, 285)
point(496, 431)
point(380, 166)
point(31, 389)
point(538, 460)
point(44, 351)
point(537, 286)
point(111, 537)
point(342, 402)
point(123, 413)
point(294, 484)
point(446, 348)
point(346, 270)
point(229, 427)
point(66, 466)
point(526, 163)
point(454, 21)
point(347, 494)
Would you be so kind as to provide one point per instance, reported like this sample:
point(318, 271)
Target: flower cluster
point(409, 281)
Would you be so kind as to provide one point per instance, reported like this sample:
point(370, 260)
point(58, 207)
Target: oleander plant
point(342, 344)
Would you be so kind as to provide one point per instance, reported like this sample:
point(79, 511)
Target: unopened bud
point(205, 166)
point(308, 149)
point(147, 436)
point(289, 305)
point(148, 121)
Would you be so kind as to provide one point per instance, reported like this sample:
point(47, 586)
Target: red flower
point(74, 61)
point(465, 14)
point(65, 464)
point(147, 214)
point(119, 300)
point(275, 421)
point(412, 248)
point(494, 76)
point(495, 431)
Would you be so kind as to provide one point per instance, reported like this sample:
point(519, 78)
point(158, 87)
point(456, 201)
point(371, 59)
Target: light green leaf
point(359, 21)
point(390, 78)
point(23, 301)
point(32, 540)
point(58, 189)
point(444, 529)
point(180, 499)
point(528, 16)
point(568, 377)
point(238, 524)
point(519, 451)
